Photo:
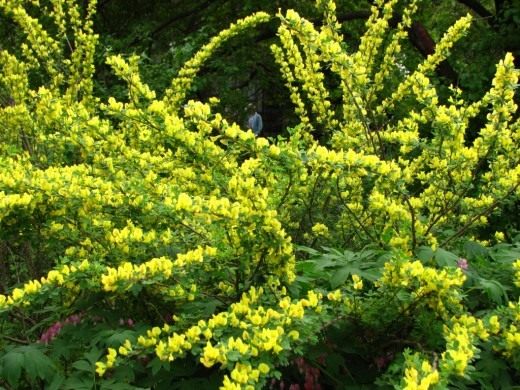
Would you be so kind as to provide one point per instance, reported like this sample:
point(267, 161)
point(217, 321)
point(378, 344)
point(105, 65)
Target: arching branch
point(422, 40)
point(478, 8)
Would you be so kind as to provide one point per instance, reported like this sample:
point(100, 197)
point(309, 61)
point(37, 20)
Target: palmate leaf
point(37, 364)
point(29, 359)
point(473, 250)
point(505, 253)
point(335, 266)
point(341, 276)
point(445, 258)
point(12, 364)
point(494, 290)
point(425, 254)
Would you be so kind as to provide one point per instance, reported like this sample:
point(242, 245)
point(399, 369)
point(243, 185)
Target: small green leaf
point(124, 374)
point(83, 365)
point(305, 266)
point(233, 356)
point(403, 296)
point(78, 383)
point(371, 274)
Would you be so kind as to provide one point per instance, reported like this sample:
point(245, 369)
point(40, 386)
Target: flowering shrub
point(160, 210)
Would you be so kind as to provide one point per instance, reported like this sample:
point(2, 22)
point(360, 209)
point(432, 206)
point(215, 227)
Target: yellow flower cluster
point(417, 79)
point(393, 49)
point(516, 268)
point(54, 278)
point(129, 72)
point(306, 68)
point(320, 229)
point(460, 339)
point(174, 96)
point(242, 374)
point(461, 335)
point(171, 196)
point(370, 44)
point(111, 359)
point(507, 331)
point(127, 274)
point(11, 201)
point(444, 163)
point(432, 287)
point(422, 378)
point(246, 329)
point(43, 50)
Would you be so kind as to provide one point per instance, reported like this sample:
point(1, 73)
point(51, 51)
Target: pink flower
point(462, 264)
point(52, 331)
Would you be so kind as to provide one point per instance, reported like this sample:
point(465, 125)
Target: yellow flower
point(494, 324)
point(320, 229)
point(100, 368)
point(184, 202)
point(334, 295)
point(111, 357)
point(294, 335)
point(264, 368)
point(210, 355)
point(499, 236)
point(358, 282)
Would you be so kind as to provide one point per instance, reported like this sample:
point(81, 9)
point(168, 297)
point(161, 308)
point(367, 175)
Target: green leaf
point(56, 383)
point(95, 354)
point(425, 254)
point(206, 307)
point(306, 249)
point(493, 289)
point(474, 250)
point(83, 365)
point(12, 367)
point(307, 266)
point(79, 383)
point(445, 258)
point(114, 385)
point(340, 276)
point(135, 289)
point(37, 364)
point(371, 274)
point(156, 365)
point(404, 296)
point(119, 337)
point(183, 368)
point(504, 253)
point(124, 373)
point(233, 356)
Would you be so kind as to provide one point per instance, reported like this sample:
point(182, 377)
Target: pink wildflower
point(462, 264)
